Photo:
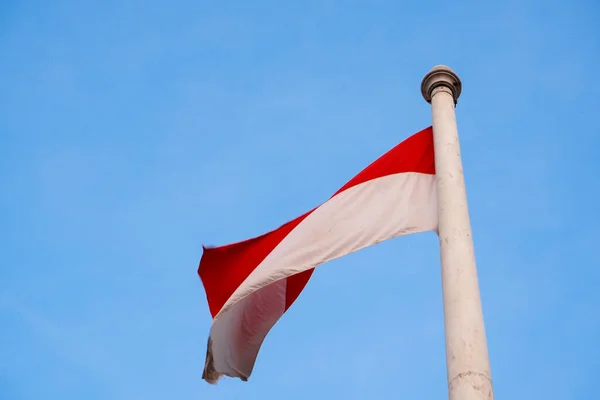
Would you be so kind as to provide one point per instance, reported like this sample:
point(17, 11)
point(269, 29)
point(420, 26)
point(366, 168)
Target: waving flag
point(251, 284)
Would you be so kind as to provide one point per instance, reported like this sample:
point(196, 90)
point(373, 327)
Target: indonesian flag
point(251, 284)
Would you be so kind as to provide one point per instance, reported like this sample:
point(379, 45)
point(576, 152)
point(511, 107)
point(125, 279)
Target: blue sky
point(132, 132)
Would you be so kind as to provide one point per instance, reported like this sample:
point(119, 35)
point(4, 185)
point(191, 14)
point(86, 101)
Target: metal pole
point(467, 362)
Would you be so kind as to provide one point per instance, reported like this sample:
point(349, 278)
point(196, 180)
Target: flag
point(249, 285)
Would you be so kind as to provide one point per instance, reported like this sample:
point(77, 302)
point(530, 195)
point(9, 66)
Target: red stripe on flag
point(223, 269)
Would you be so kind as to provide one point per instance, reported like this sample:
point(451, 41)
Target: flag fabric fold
point(249, 285)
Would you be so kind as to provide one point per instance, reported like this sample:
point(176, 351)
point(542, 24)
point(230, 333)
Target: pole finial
point(441, 75)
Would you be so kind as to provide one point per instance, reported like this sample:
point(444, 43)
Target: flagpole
point(467, 362)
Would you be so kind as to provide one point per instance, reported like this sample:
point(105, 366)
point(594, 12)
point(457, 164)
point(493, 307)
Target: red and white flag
point(251, 284)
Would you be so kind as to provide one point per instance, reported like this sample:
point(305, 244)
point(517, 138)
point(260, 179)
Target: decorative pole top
point(441, 75)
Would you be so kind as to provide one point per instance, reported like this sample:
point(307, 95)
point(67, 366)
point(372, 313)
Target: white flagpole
point(467, 362)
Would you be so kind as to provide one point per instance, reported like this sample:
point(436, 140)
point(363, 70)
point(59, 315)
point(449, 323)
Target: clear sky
point(133, 132)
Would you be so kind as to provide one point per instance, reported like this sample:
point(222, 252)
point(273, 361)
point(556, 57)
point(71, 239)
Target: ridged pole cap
point(441, 75)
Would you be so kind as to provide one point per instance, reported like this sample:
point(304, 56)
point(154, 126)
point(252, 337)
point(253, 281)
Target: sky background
point(133, 132)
